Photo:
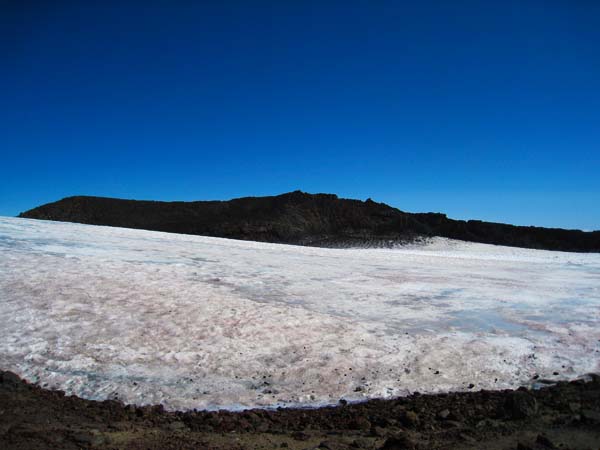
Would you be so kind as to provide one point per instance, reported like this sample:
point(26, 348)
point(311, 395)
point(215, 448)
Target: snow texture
point(200, 322)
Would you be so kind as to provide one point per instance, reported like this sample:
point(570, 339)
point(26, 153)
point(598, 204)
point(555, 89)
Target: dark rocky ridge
point(305, 219)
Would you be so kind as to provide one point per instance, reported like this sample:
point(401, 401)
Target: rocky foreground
point(562, 416)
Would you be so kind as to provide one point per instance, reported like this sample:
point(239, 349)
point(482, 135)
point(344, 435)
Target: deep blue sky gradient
point(479, 109)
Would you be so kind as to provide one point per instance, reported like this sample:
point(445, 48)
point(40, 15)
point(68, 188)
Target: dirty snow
point(200, 322)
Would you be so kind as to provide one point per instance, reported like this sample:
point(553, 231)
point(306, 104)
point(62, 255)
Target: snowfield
point(200, 322)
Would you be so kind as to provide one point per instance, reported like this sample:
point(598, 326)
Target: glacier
point(209, 323)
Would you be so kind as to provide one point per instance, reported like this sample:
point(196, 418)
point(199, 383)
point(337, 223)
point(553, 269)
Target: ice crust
point(200, 322)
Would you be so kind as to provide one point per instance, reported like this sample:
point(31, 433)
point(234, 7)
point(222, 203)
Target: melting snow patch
point(199, 322)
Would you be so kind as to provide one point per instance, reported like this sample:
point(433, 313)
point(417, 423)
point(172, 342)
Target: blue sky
point(486, 110)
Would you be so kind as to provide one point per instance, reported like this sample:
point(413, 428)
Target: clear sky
point(479, 109)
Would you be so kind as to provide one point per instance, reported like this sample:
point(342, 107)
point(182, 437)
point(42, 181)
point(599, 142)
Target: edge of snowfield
point(209, 323)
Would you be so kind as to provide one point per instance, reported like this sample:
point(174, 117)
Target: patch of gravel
point(563, 416)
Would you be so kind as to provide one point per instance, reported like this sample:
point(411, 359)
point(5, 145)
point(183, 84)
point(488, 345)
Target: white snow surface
point(201, 322)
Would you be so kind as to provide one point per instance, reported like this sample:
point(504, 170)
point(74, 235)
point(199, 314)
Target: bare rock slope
point(305, 219)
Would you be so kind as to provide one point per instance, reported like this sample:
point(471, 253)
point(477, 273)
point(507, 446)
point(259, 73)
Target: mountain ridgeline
point(305, 219)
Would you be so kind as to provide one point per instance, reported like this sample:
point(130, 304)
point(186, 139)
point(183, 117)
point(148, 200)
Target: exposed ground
point(565, 416)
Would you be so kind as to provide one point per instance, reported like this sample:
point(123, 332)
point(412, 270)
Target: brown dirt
point(564, 416)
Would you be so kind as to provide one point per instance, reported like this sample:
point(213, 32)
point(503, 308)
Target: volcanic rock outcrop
point(305, 219)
